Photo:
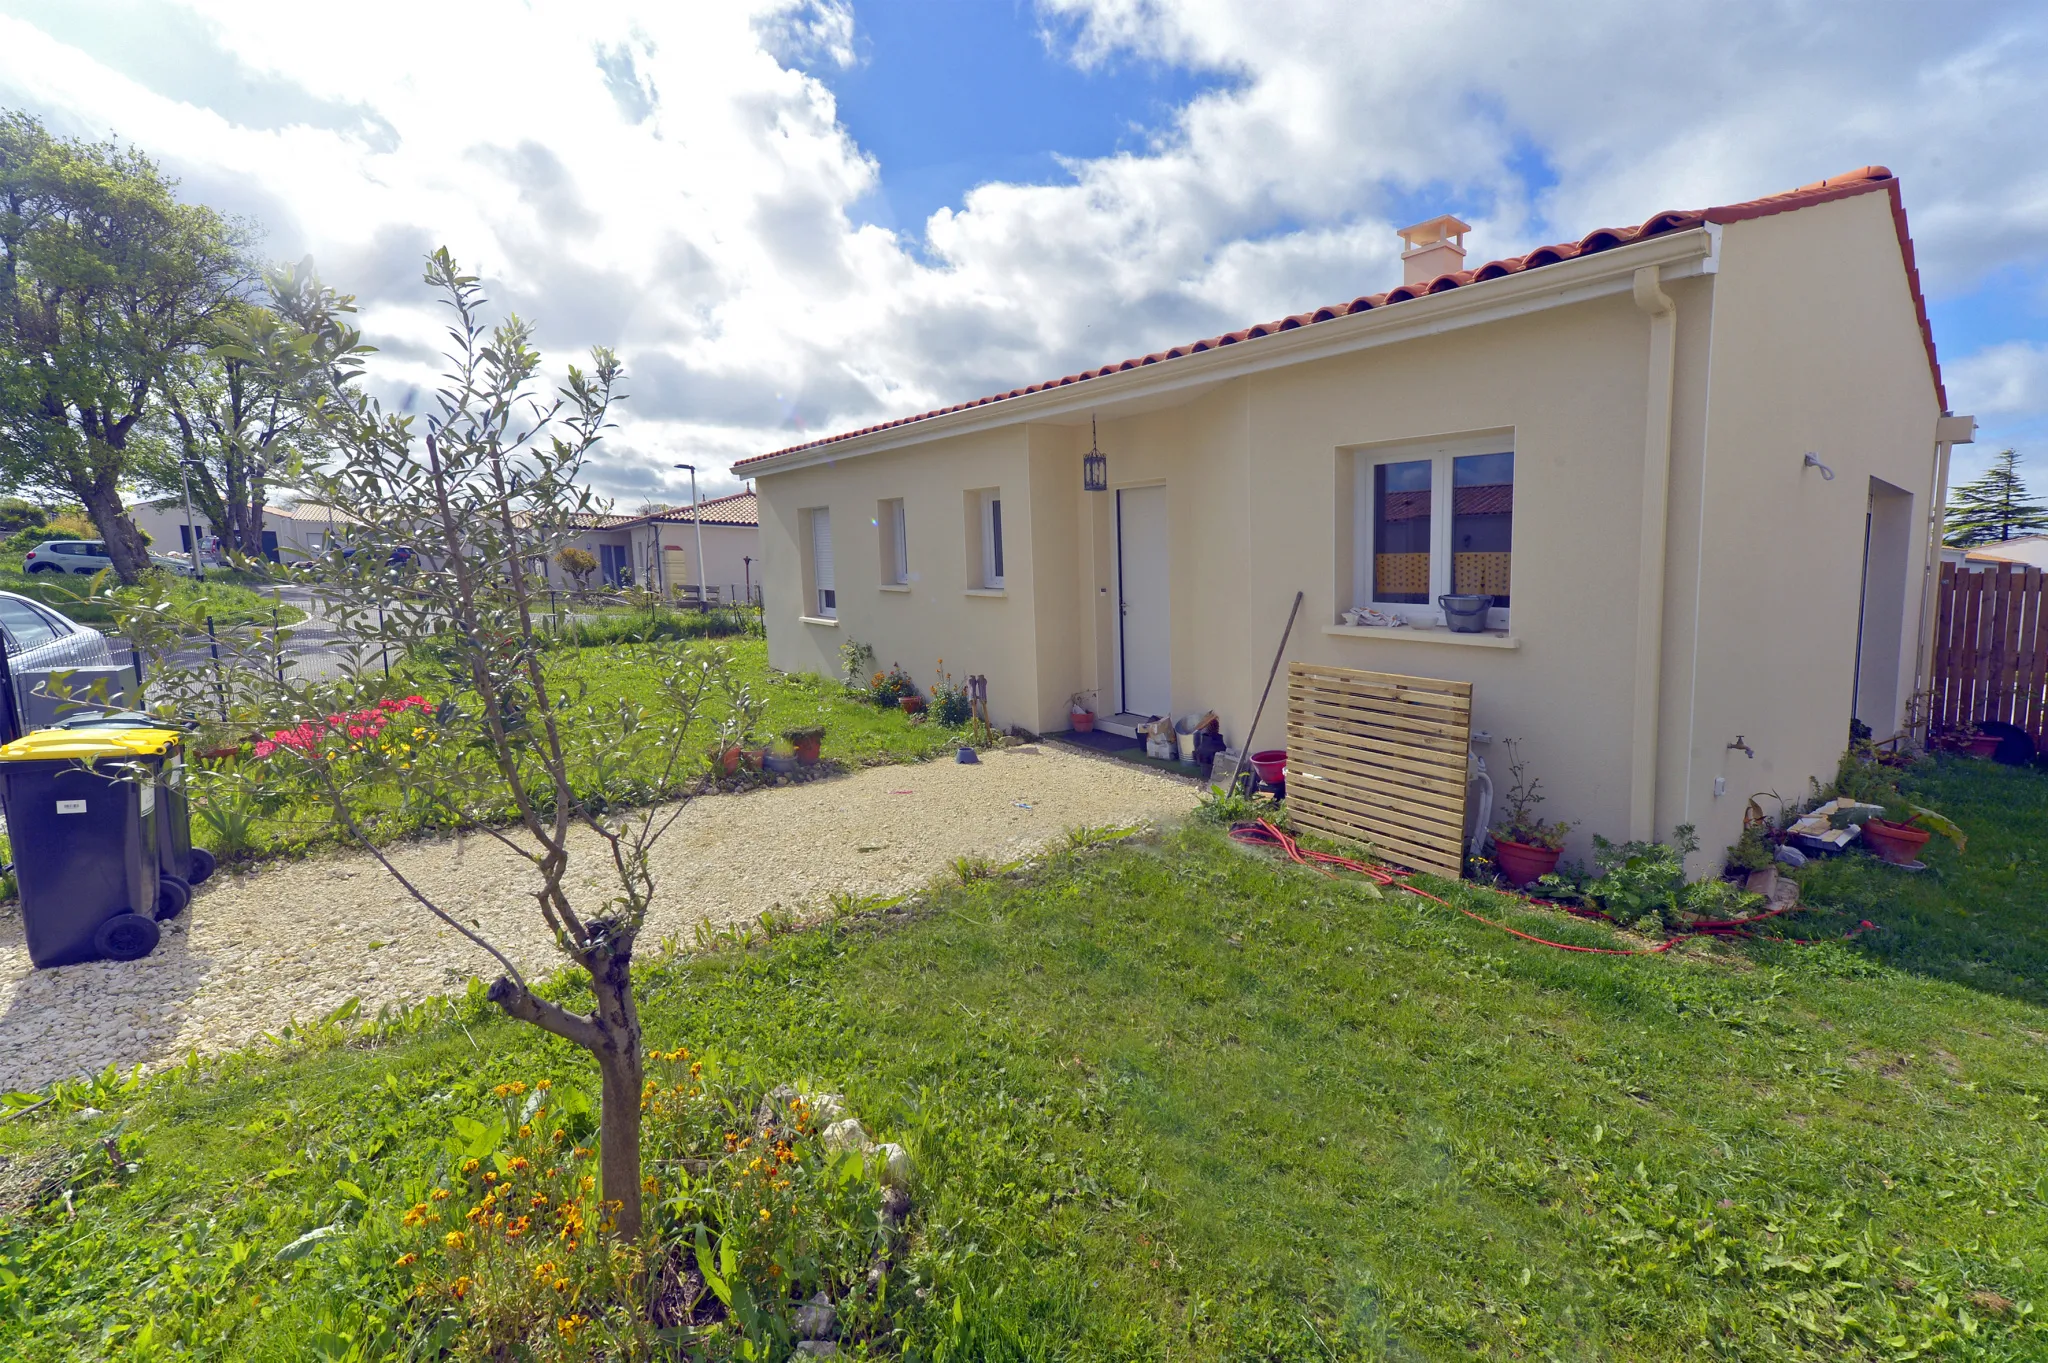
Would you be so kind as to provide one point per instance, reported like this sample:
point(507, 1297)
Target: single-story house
point(289, 533)
point(659, 550)
point(1698, 463)
point(2021, 551)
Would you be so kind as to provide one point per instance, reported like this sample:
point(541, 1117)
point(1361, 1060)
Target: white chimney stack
point(1435, 248)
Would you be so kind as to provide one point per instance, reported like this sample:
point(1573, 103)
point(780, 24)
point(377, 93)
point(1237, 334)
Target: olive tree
point(442, 521)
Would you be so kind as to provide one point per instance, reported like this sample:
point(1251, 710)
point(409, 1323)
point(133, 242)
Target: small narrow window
point(889, 524)
point(824, 597)
point(992, 540)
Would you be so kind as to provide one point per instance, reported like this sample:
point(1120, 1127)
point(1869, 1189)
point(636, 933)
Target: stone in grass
point(816, 1319)
point(845, 1134)
point(895, 1165)
point(817, 1348)
point(826, 1108)
point(774, 1109)
point(895, 1208)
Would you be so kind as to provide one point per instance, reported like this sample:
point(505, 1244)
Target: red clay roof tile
point(1861, 181)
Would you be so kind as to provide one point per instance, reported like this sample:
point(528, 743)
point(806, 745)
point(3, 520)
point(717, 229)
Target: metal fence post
point(219, 683)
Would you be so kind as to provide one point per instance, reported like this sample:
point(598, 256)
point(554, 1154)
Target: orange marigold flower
point(544, 1084)
point(469, 1166)
point(453, 1239)
point(519, 1162)
point(460, 1287)
point(490, 1178)
point(405, 1261)
point(581, 1152)
point(439, 1194)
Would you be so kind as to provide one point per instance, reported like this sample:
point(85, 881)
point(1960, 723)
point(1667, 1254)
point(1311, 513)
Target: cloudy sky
point(805, 215)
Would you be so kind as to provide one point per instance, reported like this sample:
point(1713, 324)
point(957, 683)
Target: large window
point(824, 596)
point(1435, 519)
point(895, 538)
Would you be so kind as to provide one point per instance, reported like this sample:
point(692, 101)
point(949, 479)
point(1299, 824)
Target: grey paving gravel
point(297, 939)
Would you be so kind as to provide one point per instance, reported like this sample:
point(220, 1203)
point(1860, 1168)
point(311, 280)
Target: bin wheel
point(201, 864)
point(126, 937)
point(172, 895)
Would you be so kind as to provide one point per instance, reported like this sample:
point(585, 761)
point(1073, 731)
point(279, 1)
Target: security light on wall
point(1094, 464)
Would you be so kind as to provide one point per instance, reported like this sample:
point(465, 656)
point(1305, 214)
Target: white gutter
point(1678, 255)
point(1651, 537)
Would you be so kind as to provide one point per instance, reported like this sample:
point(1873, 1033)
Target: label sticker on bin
point(71, 806)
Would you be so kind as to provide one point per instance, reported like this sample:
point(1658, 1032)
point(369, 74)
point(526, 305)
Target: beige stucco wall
point(1808, 338)
point(1815, 347)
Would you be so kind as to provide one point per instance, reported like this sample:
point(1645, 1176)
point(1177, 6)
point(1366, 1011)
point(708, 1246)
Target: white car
point(86, 557)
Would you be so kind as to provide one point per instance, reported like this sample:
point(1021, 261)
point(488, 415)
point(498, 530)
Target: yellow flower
point(469, 1166)
point(765, 1215)
point(453, 1239)
point(439, 1194)
point(460, 1287)
point(406, 1261)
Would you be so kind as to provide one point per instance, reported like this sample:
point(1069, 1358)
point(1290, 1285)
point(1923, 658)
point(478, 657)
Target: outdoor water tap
point(1746, 752)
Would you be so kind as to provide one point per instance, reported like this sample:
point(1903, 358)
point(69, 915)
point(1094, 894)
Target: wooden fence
point(1990, 650)
point(1379, 758)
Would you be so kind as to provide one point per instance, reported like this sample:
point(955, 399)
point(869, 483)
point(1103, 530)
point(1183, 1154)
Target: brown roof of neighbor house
point(1865, 180)
point(736, 508)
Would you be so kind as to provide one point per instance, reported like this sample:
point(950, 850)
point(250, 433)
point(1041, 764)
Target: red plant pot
point(1084, 721)
point(1980, 745)
point(1270, 764)
point(910, 704)
point(1523, 863)
point(807, 750)
point(1897, 843)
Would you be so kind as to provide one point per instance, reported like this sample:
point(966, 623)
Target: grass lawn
point(1174, 1098)
point(855, 733)
point(229, 601)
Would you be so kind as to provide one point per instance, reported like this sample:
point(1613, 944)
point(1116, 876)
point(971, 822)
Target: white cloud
point(676, 183)
point(2001, 380)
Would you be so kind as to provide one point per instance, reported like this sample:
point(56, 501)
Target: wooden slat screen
point(1380, 758)
point(1991, 650)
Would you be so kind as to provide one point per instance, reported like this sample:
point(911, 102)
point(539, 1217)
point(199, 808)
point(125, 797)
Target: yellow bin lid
point(87, 745)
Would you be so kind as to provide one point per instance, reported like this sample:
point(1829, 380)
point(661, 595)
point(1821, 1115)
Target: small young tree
point(577, 563)
point(489, 488)
point(1994, 507)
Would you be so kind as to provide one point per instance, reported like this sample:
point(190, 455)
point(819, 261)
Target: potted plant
point(806, 742)
point(1081, 712)
point(911, 704)
point(1977, 743)
point(1898, 835)
point(1525, 847)
point(1755, 860)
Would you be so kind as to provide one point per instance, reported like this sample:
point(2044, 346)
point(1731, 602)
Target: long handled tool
point(1244, 749)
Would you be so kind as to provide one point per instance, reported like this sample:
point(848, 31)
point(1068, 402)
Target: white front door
point(1144, 597)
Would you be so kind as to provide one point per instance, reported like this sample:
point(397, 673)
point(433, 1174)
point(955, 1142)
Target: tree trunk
point(101, 497)
point(623, 1070)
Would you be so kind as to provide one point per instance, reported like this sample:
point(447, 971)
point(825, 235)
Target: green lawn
point(856, 733)
point(231, 600)
point(1178, 1099)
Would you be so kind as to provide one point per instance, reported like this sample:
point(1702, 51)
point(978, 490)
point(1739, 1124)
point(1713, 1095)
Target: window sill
point(986, 591)
point(896, 587)
point(1412, 635)
point(827, 621)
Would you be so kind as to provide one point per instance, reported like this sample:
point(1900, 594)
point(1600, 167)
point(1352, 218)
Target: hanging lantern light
point(1094, 465)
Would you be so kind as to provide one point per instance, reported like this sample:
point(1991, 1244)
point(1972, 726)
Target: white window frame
point(893, 525)
point(993, 560)
point(1440, 454)
point(822, 591)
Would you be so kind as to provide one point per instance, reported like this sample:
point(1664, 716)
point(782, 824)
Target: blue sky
point(795, 216)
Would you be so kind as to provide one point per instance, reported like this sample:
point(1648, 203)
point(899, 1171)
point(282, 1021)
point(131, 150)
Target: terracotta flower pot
point(1897, 843)
point(730, 760)
point(1084, 721)
point(1522, 863)
point(911, 704)
point(807, 748)
point(1981, 745)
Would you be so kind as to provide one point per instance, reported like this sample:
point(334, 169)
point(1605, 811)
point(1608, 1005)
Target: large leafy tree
point(1994, 507)
point(240, 411)
point(107, 281)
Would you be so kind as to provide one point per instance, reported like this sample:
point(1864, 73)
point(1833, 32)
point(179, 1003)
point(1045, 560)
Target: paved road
point(312, 652)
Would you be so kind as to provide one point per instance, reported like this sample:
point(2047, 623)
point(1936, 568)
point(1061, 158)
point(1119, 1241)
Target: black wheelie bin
point(180, 860)
point(84, 840)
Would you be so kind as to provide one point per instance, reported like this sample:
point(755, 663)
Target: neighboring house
point(1618, 437)
point(660, 550)
point(290, 534)
point(2023, 551)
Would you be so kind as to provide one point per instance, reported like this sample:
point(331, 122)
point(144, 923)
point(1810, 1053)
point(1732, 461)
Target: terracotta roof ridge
point(1863, 180)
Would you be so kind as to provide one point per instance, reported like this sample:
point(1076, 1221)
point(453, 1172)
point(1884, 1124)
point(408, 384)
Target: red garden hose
point(1260, 833)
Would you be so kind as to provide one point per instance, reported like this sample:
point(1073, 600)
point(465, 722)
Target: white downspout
point(1651, 537)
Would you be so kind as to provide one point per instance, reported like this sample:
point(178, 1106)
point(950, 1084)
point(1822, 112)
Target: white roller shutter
point(825, 598)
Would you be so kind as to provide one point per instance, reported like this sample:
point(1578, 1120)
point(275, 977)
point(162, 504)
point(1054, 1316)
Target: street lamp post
point(185, 466)
point(697, 521)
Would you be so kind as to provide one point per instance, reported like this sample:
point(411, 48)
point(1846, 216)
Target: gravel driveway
point(298, 939)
